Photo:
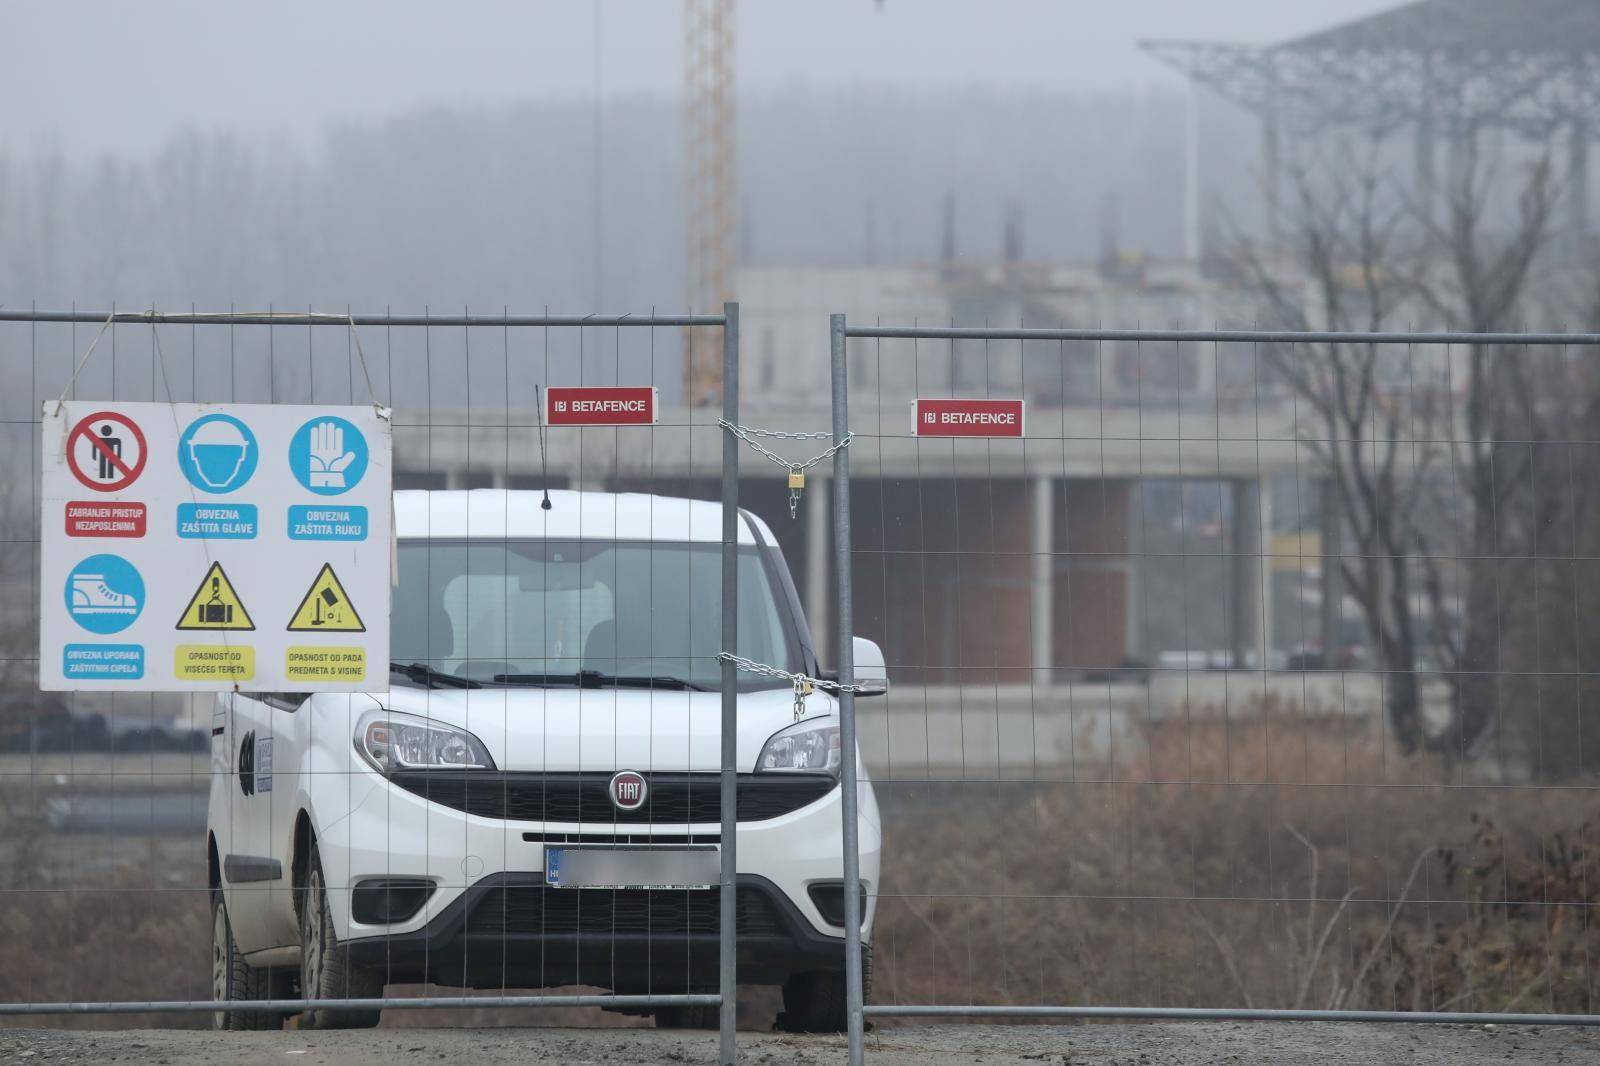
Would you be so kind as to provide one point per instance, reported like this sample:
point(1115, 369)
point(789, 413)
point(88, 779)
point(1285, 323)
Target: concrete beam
point(1106, 441)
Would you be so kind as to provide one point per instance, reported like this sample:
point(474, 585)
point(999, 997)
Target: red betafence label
point(626, 405)
point(966, 418)
point(96, 519)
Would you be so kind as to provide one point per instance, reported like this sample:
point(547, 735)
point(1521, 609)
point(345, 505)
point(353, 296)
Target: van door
point(279, 780)
point(250, 869)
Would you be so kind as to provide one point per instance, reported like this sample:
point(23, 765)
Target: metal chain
point(780, 434)
point(748, 434)
point(750, 666)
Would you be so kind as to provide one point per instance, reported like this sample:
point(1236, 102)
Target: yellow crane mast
point(710, 185)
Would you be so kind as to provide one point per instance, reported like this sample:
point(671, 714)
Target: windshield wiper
point(597, 679)
point(659, 681)
point(426, 676)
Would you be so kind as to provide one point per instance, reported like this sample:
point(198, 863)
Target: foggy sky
point(90, 76)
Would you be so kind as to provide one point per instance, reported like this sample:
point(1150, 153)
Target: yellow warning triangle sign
point(326, 608)
point(215, 604)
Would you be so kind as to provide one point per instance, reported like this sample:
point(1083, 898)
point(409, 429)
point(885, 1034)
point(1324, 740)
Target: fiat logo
point(628, 790)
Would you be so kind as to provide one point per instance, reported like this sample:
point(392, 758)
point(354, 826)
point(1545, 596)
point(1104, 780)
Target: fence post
point(728, 949)
point(847, 699)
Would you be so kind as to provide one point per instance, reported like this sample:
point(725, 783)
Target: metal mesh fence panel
point(538, 609)
point(1249, 678)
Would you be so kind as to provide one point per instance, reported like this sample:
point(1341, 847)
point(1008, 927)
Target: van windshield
point(563, 613)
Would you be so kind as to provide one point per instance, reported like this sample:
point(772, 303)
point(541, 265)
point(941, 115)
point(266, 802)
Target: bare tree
point(1393, 429)
point(1481, 265)
point(1347, 263)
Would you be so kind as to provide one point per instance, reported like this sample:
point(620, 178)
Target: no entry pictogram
point(106, 451)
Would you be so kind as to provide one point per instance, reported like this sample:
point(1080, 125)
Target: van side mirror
point(872, 674)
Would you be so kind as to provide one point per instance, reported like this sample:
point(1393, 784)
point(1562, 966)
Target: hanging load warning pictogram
point(326, 608)
point(215, 604)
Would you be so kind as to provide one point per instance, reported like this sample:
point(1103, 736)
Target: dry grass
point(128, 930)
point(1278, 860)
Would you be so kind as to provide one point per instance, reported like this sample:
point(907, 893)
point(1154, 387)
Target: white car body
point(288, 774)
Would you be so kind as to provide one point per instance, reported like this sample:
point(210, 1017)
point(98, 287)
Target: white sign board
point(209, 547)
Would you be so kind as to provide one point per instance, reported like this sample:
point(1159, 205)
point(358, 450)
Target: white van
point(555, 696)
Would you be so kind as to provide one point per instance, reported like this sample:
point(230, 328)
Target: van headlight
point(810, 746)
point(393, 741)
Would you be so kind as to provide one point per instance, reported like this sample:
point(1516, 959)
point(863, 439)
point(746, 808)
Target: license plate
point(630, 867)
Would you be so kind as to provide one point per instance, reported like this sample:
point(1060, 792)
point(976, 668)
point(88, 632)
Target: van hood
point(607, 729)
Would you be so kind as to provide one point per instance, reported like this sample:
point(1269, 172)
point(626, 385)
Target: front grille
point(673, 799)
point(610, 838)
point(604, 912)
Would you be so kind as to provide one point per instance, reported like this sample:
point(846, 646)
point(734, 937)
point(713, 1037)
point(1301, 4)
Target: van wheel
point(815, 1002)
point(688, 1017)
point(233, 979)
point(325, 968)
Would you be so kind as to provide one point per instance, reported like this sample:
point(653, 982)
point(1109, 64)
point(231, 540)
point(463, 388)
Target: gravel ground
point(1077, 1045)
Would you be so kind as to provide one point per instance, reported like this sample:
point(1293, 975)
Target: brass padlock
point(797, 484)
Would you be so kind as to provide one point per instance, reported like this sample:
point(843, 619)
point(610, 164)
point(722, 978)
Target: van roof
point(501, 513)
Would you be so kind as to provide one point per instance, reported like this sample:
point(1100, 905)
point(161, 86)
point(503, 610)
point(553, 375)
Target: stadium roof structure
point(1452, 65)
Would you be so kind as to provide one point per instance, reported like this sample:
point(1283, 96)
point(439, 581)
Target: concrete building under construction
point(1161, 508)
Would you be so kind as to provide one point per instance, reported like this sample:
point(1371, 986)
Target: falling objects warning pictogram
point(326, 608)
point(215, 604)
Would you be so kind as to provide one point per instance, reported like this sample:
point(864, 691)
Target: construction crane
point(710, 186)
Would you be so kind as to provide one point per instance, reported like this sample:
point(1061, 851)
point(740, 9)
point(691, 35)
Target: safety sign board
point(317, 664)
point(214, 547)
point(104, 594)
point(326, 608)
point(101, 518)
point(609, 405)
point(106, 451)
point(218, 453)
point(328, 456)
point(966, 418)
point(230, 664)
point(215, 605)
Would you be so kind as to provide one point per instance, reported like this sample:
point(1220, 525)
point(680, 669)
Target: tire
point(814, 1002)
point(233, 979)
point(325, 968)
point(688, 1017)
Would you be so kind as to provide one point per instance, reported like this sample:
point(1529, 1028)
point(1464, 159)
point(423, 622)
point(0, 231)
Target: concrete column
point(1578, 187)
point(1272, 171)
point(818, 506)
point(1427, 191)
point(1251, 575)
point(1041, 544)
point(1191, 176)
point(1423, 153)
point(1332, 525)
point(1133, 572)
point(1267, 630)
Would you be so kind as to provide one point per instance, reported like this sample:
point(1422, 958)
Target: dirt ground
point(1076, 1045)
